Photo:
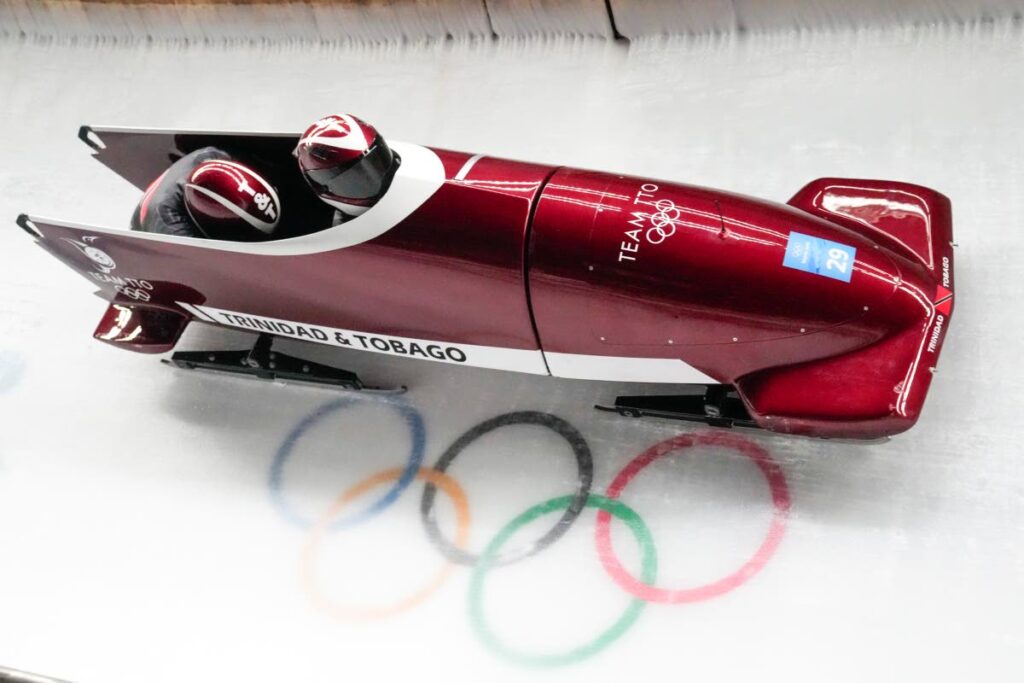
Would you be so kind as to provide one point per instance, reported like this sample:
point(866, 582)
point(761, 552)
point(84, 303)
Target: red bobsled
point(824, 316)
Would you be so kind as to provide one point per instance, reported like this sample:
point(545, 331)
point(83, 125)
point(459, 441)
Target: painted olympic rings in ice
point(308, 562)
point(488, 558)
point(584, 465)
point(642, 588)
point(417, 433)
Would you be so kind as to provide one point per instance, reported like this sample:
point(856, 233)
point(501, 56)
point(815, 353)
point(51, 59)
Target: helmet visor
point(365, 178)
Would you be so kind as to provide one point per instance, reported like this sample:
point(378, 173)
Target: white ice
point(139, 535)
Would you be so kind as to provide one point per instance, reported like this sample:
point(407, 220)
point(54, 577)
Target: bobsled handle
point(24, 222)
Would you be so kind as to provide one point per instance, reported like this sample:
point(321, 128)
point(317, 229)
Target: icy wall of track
point(168, 526)
point(237, 21)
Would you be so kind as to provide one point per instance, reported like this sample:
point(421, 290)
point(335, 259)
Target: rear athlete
point(207, 193)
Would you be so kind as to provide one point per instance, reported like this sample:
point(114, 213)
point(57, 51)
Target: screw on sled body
point(262, 362)
point(718, 406)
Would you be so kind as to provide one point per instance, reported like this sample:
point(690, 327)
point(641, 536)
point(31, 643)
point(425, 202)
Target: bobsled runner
point(823, 316)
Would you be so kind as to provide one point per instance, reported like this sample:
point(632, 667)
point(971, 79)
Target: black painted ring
point(584, 463)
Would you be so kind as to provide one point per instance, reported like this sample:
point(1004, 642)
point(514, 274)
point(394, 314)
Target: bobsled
point(823, 316)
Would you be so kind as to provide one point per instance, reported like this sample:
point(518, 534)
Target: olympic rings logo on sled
point(663, 225)
point(642, 588)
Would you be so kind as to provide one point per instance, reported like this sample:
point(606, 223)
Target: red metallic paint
point(526, 256)
point(228, 198)
point(715, 294)
point(146, 329)
point(436, 275)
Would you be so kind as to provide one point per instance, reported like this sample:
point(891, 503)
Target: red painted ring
point(780, 499)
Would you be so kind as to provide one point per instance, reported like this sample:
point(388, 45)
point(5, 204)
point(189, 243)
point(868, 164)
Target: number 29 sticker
point(819, 256)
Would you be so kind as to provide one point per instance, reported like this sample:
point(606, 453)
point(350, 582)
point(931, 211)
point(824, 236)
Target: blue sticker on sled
point(818, 256)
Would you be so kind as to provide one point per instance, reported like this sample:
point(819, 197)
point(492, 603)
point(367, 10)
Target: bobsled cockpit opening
point(231, 192)
point(307, 224)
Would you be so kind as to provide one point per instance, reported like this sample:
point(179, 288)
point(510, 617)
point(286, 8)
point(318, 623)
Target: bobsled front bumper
point(878, 390)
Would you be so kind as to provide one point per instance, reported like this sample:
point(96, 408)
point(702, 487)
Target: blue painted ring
point(417, 430)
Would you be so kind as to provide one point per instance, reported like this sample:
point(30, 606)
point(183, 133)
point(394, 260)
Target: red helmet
point(346, 162)
point(230, 201)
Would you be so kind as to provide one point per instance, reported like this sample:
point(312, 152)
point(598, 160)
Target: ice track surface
point(160, 525)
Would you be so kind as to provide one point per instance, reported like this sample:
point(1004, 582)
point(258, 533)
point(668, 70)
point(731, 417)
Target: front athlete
point(347, 163)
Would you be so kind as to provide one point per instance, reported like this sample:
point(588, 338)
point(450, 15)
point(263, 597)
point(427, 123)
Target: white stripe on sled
point(194, 310)
point(468, 166)
point(625, 369)
point(531, 361)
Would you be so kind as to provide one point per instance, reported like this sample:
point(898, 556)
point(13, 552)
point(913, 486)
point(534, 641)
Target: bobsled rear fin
point(146, 329)
point(911, 220)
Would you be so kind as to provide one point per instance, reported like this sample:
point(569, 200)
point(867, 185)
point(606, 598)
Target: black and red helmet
point(230, 201)
point(346, 162)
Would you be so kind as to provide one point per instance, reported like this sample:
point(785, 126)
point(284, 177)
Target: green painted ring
point(489, 557)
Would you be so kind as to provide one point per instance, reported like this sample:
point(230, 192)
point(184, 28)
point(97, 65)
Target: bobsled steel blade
point(262, 362)
point(718, 406)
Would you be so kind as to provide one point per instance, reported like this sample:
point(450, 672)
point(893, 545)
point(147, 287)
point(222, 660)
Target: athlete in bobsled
point(347, 163)
point(209, 193)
